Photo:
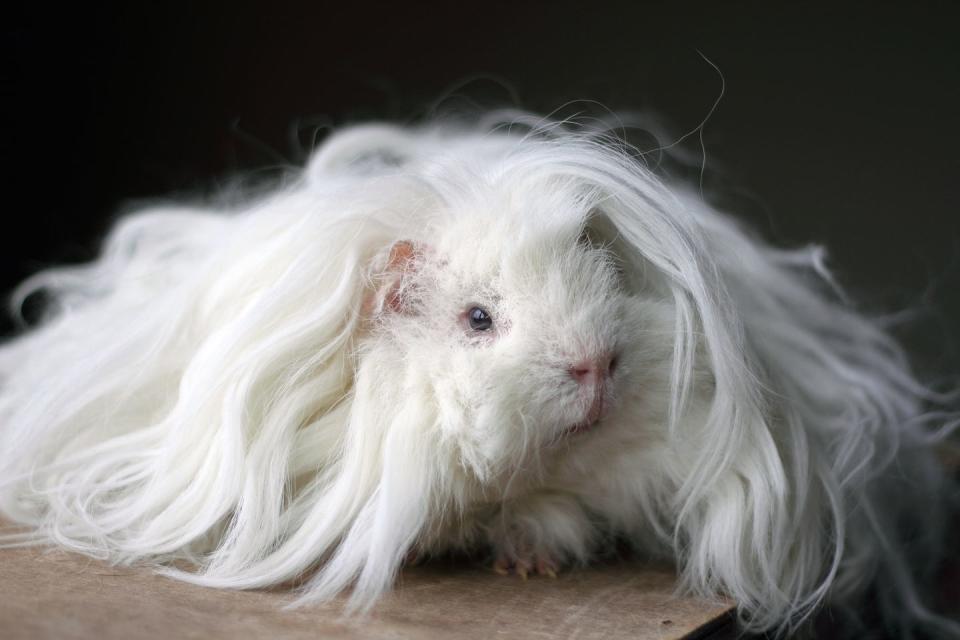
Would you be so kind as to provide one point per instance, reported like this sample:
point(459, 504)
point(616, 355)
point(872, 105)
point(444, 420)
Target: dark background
point(838, 125)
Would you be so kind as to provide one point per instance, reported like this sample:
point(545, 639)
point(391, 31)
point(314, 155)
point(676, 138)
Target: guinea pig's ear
point(392, 293)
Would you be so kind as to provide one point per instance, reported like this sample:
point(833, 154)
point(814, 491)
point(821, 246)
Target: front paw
point(524, 564)
point(539, 534)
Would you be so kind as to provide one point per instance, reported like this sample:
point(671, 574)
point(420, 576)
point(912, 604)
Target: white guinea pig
point(515, 341)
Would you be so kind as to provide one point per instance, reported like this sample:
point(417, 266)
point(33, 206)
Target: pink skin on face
point(594, 376)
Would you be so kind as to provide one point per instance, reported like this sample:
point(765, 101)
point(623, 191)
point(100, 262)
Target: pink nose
point(593, 371)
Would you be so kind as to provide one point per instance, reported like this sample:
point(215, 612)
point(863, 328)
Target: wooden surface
point(52, 594)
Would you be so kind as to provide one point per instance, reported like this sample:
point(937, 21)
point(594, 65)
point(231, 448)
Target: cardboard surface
point(52, 594)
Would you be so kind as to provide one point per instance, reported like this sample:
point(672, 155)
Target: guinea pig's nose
point(593, 370)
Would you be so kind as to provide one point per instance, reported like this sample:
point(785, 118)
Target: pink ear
point(402, 253)
point(401, 264)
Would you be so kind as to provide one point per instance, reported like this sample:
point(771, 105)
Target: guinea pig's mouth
point(580, 427)
point(596, 413)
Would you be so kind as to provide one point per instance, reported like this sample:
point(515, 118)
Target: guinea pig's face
point(528, 342)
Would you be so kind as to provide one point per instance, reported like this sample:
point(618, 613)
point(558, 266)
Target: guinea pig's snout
point(593, 371)
point(593, 375)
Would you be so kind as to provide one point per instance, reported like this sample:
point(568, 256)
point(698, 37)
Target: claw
point(546, 568)
point(542, 566)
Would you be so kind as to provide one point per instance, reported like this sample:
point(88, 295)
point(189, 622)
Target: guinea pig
point(519, 342)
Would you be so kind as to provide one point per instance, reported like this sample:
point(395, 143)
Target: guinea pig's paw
point(522, 564)
point(413, 557)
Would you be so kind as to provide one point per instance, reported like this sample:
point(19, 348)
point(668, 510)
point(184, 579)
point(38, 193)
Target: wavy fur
point(289, 384)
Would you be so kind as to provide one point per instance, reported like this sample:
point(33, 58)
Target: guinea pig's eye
point(479, 319)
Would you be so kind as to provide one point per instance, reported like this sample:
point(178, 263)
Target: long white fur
point(231, 387)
